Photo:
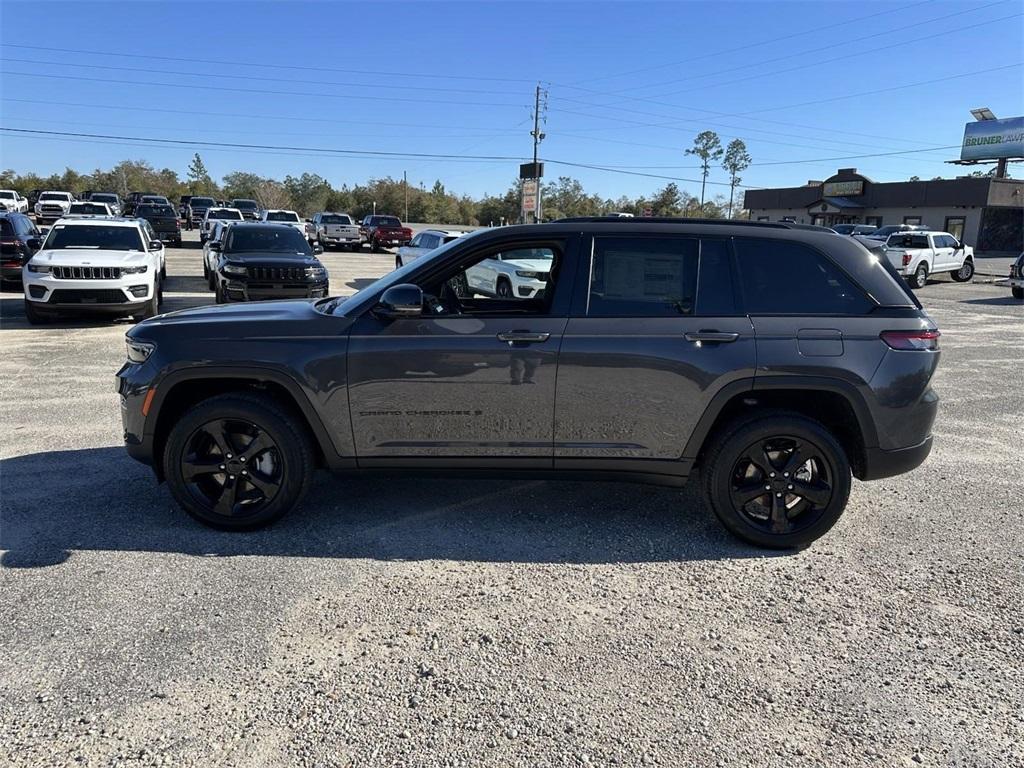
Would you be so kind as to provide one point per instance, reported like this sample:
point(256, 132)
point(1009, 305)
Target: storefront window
point(876, 220)
point(955, 226)
point(911, 219)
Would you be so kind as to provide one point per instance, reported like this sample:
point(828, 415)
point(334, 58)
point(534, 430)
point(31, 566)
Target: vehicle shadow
point(12, 317)
point(186, 284)
point(100, 499)
point(1002, 301)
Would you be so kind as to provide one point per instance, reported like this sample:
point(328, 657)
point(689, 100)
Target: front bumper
point(526, 288)
point(242, 290)
point(123, 295)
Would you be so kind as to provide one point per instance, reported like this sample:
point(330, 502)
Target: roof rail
point(671, 220)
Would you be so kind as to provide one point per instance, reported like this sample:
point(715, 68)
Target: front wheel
point(965, 273)
point(920, 277)
point(238, 462)
point(33, 315)
point(1018, 293)
point(779, 481)
point(151, 307)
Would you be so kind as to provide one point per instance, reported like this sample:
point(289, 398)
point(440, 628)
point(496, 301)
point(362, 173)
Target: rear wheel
point(965, 273)
point(778, 481)
point(1018, 293)
point(920, 277)
point(238, 462)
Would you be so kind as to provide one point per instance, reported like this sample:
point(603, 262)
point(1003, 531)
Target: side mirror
point(155, 245)
point(405, 300)
point(318, 249)
point(213, 245)
point(34, 243)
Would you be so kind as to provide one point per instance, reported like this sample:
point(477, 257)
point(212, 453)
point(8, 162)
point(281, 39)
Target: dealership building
point(987, 213)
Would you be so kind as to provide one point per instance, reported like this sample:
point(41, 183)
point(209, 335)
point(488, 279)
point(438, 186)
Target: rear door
point(655, 332)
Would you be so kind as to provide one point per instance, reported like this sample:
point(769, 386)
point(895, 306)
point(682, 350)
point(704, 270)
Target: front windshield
point(88, 208)
point(266, 239)
point(54, 196)
point(96, 238)
point(282, 216)
point(244, 204)
point(7, 195)
point(395, 277)
point(103, 198)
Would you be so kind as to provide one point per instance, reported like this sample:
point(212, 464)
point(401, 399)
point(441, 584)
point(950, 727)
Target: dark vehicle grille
point(51, 208)
point(277, 274)
point(87, 273)
point(88, 297)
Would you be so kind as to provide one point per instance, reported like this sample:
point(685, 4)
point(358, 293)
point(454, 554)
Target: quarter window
point(785, 278)
point(643, 277)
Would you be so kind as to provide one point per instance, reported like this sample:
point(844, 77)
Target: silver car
point(423, 243)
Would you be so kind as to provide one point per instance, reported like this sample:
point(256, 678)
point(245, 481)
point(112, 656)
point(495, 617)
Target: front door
point(655, 333)
point(472, 377)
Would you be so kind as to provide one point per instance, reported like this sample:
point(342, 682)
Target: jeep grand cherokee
point(779, 360)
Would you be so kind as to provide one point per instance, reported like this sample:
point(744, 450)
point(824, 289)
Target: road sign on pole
point(529, 198)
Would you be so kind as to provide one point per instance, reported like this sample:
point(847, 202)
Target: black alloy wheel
point(776, 479)
point(238, 461)
point(232, 467)
point(781, 485)
point(504, 289)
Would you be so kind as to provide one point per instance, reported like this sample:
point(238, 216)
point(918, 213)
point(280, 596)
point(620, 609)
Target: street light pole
point(405, 183)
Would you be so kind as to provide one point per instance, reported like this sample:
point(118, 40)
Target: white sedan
point(424, 243)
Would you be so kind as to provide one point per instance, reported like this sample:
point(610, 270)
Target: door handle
point(712, 337)
point(523, 336)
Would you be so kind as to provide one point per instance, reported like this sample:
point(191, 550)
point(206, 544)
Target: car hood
point(88, 256)
point(255, 258)
point(534, 265)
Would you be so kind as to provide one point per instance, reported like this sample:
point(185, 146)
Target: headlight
point(528, 274)
point(317, 273)
point(134, 270)
point(41, 268)
point(234, 269)
point(139, 351)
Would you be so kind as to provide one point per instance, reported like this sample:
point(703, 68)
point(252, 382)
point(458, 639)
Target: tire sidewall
point(921, 278)
point(292, 449)
point(718, 478)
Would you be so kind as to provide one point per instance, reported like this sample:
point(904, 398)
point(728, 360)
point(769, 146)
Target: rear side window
point(785, 278)
point(643, 277)
point(715, 292)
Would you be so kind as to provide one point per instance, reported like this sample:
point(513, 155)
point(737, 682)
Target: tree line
point(308, 192)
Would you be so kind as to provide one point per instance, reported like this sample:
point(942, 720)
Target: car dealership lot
point(401, 621)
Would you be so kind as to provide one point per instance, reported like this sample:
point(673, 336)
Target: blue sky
point(629, 85)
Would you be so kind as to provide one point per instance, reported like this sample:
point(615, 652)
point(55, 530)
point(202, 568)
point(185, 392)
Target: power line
point(221, 63)
point(636, 173)
point(303, 119)
point(748, 46)
point(846, 42)
point(236, 145)
point(264, 91)
point(260, 78)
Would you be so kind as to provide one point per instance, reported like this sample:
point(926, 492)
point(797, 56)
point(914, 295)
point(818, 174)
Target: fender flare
point(752, 386)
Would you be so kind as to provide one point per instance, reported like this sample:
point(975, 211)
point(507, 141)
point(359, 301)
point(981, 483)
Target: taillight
point(906, 259)
point(910, 340)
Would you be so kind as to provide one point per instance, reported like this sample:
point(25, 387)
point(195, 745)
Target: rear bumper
point(880, 463)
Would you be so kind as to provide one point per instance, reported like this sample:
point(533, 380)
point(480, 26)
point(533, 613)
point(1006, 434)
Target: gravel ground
point(400, 622)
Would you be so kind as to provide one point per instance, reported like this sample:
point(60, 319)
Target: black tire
point(398, 262)
point(246, 426)
point(920, 277)
point(152, 307)
point(965, 273)
point(1018, 293)
point(34, 316)
point(221, 295)
point(503, 288)
point(211, 280)
point(776, 515)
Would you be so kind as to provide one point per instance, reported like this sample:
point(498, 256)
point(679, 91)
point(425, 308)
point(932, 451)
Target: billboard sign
point(993, 139)
point(529, 198)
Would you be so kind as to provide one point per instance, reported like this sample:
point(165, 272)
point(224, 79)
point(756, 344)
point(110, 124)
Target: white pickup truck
point(336, 229)
point(916, 255)
point(11, 200)
point(52, 205)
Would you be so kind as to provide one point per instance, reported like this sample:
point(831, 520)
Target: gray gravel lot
point(411, 622)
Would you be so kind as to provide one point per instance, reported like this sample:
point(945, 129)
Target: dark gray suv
point(778, 359)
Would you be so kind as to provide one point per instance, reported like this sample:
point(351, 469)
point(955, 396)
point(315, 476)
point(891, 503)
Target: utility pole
point(538, 137)
point(405, 183)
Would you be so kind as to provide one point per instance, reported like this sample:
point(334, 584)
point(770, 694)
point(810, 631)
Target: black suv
point(779, 360)
point(250, 208)
point(163, 219)
point(266, 261)
point(19, 239)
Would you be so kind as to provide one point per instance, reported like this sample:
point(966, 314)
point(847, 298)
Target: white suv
point(12, 201)
point(52, 205)
point(520, 274)
point(106, 265)
point(215, 214)
point(424, 242)
point(281, 216)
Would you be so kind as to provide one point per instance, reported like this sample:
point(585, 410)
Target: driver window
point(519, 280)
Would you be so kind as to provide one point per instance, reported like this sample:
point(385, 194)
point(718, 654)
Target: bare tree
point(736, 161)
point(708, 147)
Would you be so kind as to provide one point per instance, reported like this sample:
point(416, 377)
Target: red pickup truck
point(384, 231)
